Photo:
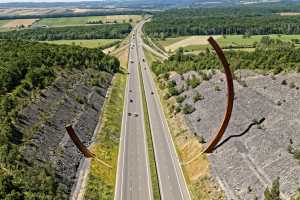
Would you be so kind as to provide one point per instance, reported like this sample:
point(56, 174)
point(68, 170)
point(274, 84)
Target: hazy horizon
point(40, 1)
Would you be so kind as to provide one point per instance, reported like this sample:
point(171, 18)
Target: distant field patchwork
point(86, 43)
point(188, 41)
point(18, 22)
point(3, 22)
point(79, 21)
point(198, 43)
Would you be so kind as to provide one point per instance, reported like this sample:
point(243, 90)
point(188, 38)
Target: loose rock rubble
point(249, 161)
point(70, 100)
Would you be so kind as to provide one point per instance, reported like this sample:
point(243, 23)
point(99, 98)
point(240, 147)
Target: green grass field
point(86, 43)
point(169, 41)
point(79, 21)
point(3, 22)
point(234, 41)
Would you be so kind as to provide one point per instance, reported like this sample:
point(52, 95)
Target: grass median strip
point(197, 173)
point(101, 181)
point(153, 170)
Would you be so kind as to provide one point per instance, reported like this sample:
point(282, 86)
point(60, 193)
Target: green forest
point(269, 55)
point(107, 31)
point(26, 67)
point(246, 20)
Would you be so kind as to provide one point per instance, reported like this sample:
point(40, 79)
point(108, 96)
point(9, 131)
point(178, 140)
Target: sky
point(11, 1)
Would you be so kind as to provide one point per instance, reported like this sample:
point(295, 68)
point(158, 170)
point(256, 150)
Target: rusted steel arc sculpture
point(230, 97)
point(83, 149)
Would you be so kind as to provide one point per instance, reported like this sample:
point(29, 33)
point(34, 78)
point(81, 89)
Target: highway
point(171, 179)
point(133, 181)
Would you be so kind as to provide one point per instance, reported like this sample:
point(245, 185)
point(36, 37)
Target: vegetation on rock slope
point(25, 68)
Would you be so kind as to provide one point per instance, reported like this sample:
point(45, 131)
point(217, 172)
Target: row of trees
point(107, 31)
point(26, 66)
point(271, 55)
point(213, 21)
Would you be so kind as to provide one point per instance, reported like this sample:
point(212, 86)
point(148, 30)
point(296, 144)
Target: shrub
point(171, 84)
point(277, 70)
point(292, 85)
point(173, 91)
point(188, 109)
point(193, 82)
point(284, 82)
point(205, 76)
point(40, 77)
point(201, 139)
point(217, 88)
point(79, 99)
point(166, 76)
point(197, 97)
point(180, 99)
point(274, 192)
point(177, 109)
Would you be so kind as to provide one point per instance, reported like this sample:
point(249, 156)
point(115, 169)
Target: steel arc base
point(83, 149)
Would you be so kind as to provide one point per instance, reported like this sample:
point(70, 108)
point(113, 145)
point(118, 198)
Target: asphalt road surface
point(133, 173)
point(171, 179)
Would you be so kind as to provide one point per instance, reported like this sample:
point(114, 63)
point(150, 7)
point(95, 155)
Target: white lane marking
point(123, 138)
point(155, 152)
point(169, 135)
point(143, 121)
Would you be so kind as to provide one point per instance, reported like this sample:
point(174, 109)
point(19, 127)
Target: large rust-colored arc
point(83, 149)
point(230, 97)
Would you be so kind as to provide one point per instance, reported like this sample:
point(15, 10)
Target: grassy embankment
point(101, 182)
point(151, 155)
point(199, 43)
point(197, 172)
point(80, 21)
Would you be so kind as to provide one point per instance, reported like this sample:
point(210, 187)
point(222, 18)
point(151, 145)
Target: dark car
point(129, 114)
point(135, 114)
point(131, 100)
point(152, 93)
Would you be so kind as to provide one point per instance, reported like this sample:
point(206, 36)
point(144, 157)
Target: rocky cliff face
point(250, 159)
point(71, 99)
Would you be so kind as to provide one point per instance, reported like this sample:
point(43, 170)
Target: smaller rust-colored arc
point(230, 97)
point(83, 149)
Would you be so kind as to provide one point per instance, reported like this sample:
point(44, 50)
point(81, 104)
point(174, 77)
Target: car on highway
point(143, 59)
point(152, 92)
point(131, 61)
point(129, 114)
point(131, 100)
point(136, 115)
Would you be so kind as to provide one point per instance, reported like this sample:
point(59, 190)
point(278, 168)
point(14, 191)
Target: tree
point(188, 109)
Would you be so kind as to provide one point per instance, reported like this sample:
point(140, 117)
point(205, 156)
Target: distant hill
point(134, 4)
